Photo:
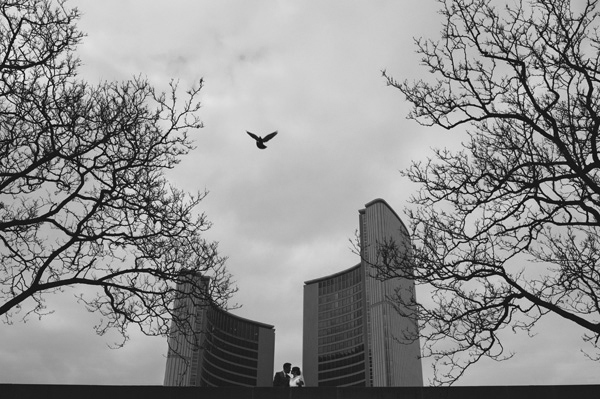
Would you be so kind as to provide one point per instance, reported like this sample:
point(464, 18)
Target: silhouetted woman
point(297, 380)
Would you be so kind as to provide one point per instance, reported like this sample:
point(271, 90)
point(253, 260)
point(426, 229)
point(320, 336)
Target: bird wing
point(270, 136)
point(254, 136)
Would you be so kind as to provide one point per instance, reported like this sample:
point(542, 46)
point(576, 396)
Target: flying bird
point(260, 141)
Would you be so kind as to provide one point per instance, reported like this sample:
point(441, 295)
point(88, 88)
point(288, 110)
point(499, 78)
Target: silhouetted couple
point(283, 379)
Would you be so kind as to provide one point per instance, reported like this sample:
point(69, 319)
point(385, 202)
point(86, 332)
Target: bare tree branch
point(506, 230)
point(84, 200)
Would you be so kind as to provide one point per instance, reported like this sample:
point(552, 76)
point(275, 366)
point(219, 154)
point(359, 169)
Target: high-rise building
point(353, 334)
point(222, 349)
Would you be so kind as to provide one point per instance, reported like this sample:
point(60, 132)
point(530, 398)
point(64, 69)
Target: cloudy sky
point(312, 71)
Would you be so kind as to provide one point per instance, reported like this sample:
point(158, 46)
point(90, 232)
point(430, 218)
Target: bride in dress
point(297, 380)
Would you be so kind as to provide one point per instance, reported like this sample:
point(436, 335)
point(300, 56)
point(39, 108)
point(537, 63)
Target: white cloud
point(283, 215)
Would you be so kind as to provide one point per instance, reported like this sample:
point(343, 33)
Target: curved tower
point(227, 350)
point(352, 331)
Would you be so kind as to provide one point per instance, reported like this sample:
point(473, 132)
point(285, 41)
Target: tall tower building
point(352, 331)
point(222, 349)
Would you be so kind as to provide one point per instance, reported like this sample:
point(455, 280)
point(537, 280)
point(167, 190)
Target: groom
point(282, 378)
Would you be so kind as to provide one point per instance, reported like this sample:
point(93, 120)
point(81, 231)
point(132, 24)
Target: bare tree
point(506, 230)
point(83, 195)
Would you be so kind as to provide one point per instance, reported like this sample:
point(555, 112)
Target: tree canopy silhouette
point(84, 200)
point(505, 230)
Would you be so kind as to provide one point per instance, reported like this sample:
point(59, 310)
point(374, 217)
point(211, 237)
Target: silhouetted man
point(282, 378)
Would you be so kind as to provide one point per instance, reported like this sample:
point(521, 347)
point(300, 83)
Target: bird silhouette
point(260, 141)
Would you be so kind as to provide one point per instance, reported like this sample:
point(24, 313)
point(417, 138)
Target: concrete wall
point(266, 357)
point(19, 391)
point(310, 334)
point(395, 361)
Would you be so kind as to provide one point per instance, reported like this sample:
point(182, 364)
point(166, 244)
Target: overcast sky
point(285, 215)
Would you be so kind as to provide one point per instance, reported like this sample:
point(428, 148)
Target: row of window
point(242, 343)
point(344, 362)
point(340, 294)
point(351, 380)
point(352, 277)
point(226, 323)
point(338, 346)
point(340, 311)
point(357, 368)
point(341, 336)
point(341, 302)
point(210, 379)
point(336, 328)
point(209, 358)
point(230, 353)
point(341, 319)
point(231, 357)
point(341, 354)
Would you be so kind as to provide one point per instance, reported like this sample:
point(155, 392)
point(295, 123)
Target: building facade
point(223, 349)
point(353, 335)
